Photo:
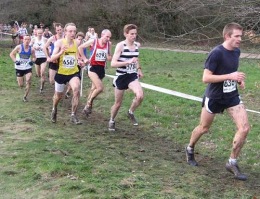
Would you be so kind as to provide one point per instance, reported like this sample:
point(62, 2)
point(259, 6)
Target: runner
point(221, 74)
point(88, 33)
point(48, 50)
point(47, 33)
point(14, 32)
point(66, 50)
point(80, 40)
point(125, 59)
point(22, 31)
point(91, 34)
point(40, 63)
point(96, 71)
point(23, 57)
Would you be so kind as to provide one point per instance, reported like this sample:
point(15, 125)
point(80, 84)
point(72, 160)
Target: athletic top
point(22, 31)
point(47, 35)
point(92, 36)
point(52, 44)
point(68, 60)
point(221, 61)
point(127, 54)
point(39, 43)
point(99, 55)
point(24, 58)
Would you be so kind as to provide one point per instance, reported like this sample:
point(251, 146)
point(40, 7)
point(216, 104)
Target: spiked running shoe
point(190, 158)
point(25, 99)
point(75, 120)
point(54, 115)
point(111, 126)
point(233, 168)
point(132, 118)
point(87, 110)
point(67, 95)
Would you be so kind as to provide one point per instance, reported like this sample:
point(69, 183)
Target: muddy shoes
point(233, 168)
point(190, 157)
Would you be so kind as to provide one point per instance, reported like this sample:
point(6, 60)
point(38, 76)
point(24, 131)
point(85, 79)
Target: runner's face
point(234, 39)
point(131, 35)
point(106, 37)
point(70, 32)
point(39, 32)
point(79, 38)
point(58, 30)
point(26, 40)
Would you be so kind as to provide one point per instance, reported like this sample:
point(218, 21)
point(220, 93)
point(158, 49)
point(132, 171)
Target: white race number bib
point(69, 61)
point(229, 86)
point(101, 55)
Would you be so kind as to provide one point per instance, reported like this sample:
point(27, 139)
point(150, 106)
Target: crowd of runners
point(67, 52)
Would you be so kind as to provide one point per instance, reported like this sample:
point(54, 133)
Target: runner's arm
point(46, 50)
point(209, 77)
point(33, 55)
point(81, 49)
point(109, 54)
point(58, 50)
point(14, 52)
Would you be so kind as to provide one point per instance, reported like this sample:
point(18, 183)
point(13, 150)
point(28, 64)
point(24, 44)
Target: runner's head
point(80, 36)
point(105, 35)
point(26, 40)
point(130, 32)
point(39, 32)
point(70, 31)
point(58, 29)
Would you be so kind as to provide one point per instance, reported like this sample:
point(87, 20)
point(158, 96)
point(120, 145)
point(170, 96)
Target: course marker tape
point(5, 33)
point(175, 93)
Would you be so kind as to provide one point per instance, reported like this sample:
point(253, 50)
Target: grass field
point(39, 159)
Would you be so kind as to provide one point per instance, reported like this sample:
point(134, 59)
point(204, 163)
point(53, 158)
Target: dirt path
point(243, 55)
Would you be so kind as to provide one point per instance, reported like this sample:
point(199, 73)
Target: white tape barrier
point(5, 33)
point(175, 93)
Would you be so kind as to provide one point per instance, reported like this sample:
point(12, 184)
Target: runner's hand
point(30, 63)
point(17, 63)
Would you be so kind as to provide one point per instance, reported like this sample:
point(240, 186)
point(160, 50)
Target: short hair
point(105, 31)
point(57, 25)
point(80, 34)
point(69, 24)
point(129, 27)
point(228, 29)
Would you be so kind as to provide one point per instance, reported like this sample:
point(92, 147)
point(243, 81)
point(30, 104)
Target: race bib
point(24, 62)
point(131, 68)
point(101, 55)
point(69, 61)
point(229, 86)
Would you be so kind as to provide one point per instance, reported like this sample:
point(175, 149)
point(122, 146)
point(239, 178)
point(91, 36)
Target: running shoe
point(190, 158)
point(54, 115)
point(111, 126)
point(87, 110)
point(132, 118)
point(233, 168)
point(41, 88)
point(25, 99)
point(67, 95)
point(75, 120)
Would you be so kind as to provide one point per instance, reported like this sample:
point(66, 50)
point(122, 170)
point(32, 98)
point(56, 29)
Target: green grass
point(39, 159)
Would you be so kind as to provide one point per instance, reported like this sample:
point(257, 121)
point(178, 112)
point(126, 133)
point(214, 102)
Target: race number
point(131, 68)
point(69, 61)
point(24, 62)
point(101, 55)
point(229, 86)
